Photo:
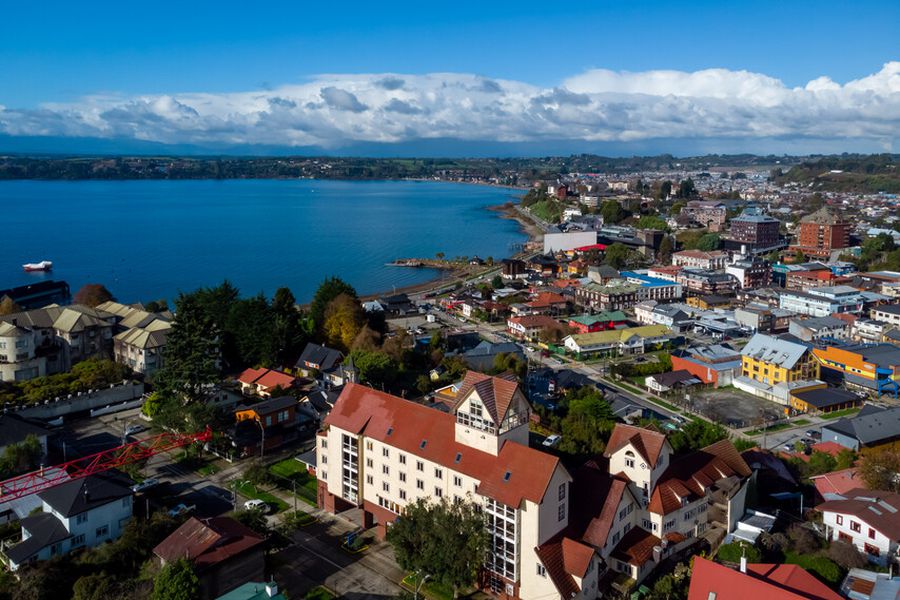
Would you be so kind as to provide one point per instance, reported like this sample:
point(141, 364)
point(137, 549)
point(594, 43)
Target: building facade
point(822, 232)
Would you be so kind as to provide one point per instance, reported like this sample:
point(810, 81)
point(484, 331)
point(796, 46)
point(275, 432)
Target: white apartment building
point(868, 519)
point(18, 358)
point(889, 313)
point(380, 452)
point(822, 301)
point(698, 259)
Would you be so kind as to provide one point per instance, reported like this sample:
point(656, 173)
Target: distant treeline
point(847, 173)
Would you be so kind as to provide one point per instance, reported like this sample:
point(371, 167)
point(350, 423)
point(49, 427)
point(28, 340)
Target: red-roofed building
point(262, 382)
point(712, 581)
point(224, 553)
point(548, 303)
point(530, 327)
point(837, 482)
point(380, 452)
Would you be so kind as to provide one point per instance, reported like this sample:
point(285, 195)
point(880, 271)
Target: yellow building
point(769, 360)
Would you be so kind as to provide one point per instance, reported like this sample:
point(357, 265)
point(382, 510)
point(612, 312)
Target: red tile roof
point(876, 508)
point(208, 542)
point(636, 547)
point(496, 393)
point(596, 496)
point(251, 375)
point(430, 434)
point(838, 482)
point(772, 582)
point(648, 443)
point(532, 321)
point(547, 299)
point(691, 475)
point(273, 379)
point(565, 559)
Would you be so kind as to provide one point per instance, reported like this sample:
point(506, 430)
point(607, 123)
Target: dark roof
point(326, 358)
point(44, 530)
point(870, 425)
point(271, 405)
point(208, 542)
point(75, 497)
point(323, 400)
point(877, 508)
point(681, 376)
point(14, 430)
point(891, 309)
point(826, 397)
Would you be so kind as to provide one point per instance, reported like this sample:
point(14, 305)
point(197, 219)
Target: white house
point(868, 519)
point(80, 513)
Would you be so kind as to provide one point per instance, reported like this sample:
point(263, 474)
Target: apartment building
point(751, 272)
point(770, 361)
point(822, 232)
point(699, 259)
point(700, 282)
point(755, 230)
point(616, 295)
point(652, 288)
point(822, 301)
point(706, 213)
point(380, 452)
point(140, 336)
point(888, 314)
point(19, 359)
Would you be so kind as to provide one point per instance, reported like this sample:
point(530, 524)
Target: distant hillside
point(849, 173)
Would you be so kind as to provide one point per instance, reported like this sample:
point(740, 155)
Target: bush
point(846, 555)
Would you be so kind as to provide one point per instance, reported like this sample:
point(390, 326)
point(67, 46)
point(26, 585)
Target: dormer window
point(629, 459)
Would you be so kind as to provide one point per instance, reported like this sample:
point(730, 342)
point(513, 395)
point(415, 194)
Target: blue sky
point(63, 52)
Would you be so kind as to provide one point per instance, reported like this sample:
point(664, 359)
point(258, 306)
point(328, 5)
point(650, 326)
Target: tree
point(696, 434)
point(881, 470)
point(21, 457)
point(616, 255)
point(844, 459)
point(665, 250)
point(845, 555)
point(8, 306)
point(686, 189)
point(191, 355)
point(612, 212)
point(251, 333)
point(97, 586)
point(375, 367)
point(92, 294)
point(652, 222)
point(664, 190)
point(288, 334)
point(344, 319)
point(587, 424)
point(497, 282)
point(330, 289)
point(156, 306)
point(176, 581)
point(446, 540)
point(709, 242)
point(819, 462)
point(799, 257)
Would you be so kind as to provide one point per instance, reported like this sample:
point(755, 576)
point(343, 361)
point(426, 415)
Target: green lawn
point(319, 593)
point(802, 422)
point(248, 490)
point(290, 470)
point(820, 566)
point(431, 589)
point(847, 412)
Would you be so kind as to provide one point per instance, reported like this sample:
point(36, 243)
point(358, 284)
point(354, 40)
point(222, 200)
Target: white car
point(145, 485)
point(552, 440)
point(256, 504)
point(134, 429)
point(181, 509)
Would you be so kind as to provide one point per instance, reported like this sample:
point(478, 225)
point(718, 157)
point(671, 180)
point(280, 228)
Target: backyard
point(290, 474)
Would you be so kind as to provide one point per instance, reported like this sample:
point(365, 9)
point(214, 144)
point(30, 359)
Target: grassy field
point(248, 490)
point(291, 470)
point(430, 589)
point(847, 412)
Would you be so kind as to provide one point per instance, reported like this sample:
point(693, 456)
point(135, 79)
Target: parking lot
point(734, 408)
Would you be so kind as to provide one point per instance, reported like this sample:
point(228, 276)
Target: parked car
point(788, 448)
point(814, 433)
point(552, 440)
point(181, 509)
point(135, 429)
point(145, 485)
point(256, 504)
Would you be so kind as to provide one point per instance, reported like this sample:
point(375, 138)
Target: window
point(102, 532)
point(457, 481)
point(629, 462)
point(839, 519)
point(269, 421)
point(368, 445)
point(854, 526)
point(370, 463)
point(385, 452)
point(402, 459)
point(78, 540)
point(324, 443)
point(562, 491)
point(82, 518)
point(561, 513)
point(420, 466)
point(403, 494)
point(541, 570)
point(402, 476)
point(420, 484)
point(439, 473)
point(872, 550)
point(369, 479)
point(871, 533)
point(438, 492)
point(385, 470)
point(324, 460)
point(385, 486)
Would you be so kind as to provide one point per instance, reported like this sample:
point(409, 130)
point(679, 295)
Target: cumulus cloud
point(594, 106)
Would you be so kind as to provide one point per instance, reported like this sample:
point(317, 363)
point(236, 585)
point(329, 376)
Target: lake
point(147, 240)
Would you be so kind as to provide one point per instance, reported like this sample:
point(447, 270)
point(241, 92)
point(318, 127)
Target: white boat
point(44, 265)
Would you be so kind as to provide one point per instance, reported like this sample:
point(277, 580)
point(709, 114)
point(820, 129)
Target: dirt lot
point(734, 407)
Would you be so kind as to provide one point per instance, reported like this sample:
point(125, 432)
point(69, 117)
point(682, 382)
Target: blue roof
point(646, 280)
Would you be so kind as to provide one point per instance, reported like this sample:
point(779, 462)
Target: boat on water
point(44, 265)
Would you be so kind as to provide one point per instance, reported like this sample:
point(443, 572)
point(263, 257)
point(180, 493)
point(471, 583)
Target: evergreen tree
point(330, 289)
point(190, 359)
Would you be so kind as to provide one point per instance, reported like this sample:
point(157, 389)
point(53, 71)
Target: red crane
point(47, 477)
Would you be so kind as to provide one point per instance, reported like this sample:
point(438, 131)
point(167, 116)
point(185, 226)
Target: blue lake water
point(151, 239)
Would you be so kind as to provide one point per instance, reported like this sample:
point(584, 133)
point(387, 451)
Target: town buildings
point(140, 336)
point(822, 301)
point(753, 272)
point(773, 369)
point(706, 213)
point(597, 322)
point(822, 232)
point(888, 314)
point(617, 295)
point(872, 429)
point(716, 364)
point(868, 519)
point(702, 282)
point(699, 259)
point(868, 367)
point(633, 340)
point(754, 231)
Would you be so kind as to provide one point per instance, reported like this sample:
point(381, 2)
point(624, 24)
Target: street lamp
point(419, 585)
point(262, 432)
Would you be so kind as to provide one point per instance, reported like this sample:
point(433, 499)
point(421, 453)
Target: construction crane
point(47, 477)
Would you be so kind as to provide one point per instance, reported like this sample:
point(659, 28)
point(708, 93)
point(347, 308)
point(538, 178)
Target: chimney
point(271, 589)
point(743, 564)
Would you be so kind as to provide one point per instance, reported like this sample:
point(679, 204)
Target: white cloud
point(595, 106)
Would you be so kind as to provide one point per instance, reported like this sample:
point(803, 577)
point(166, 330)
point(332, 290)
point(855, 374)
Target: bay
point(147, 240)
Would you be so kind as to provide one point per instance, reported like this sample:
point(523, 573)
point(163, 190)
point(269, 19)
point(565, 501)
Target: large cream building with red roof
point(552, 535)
